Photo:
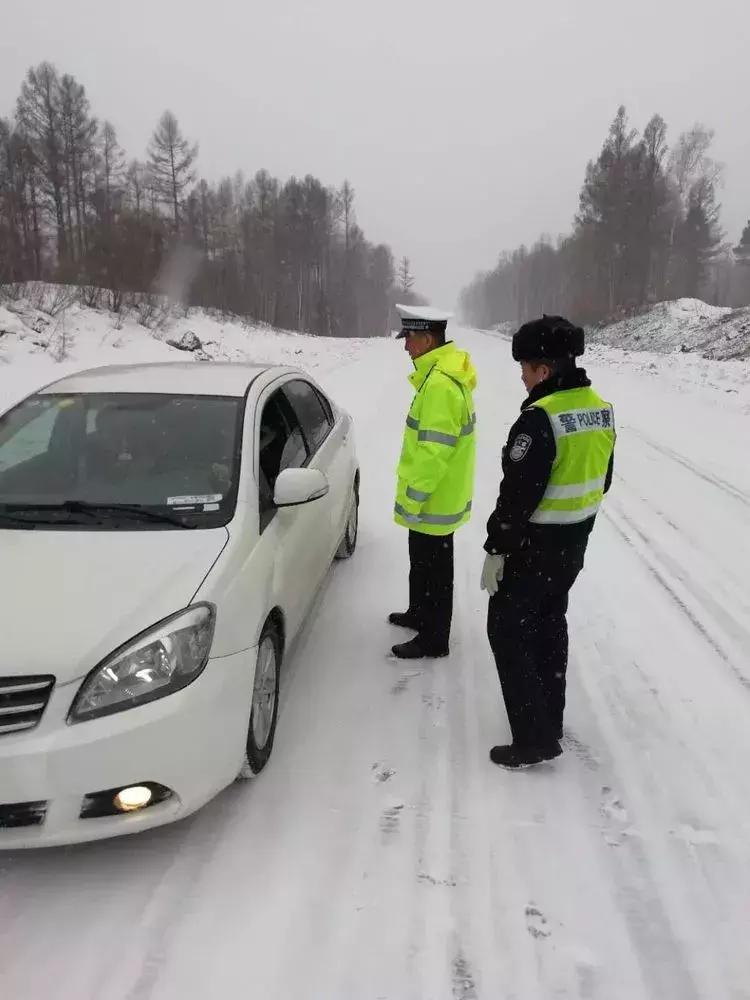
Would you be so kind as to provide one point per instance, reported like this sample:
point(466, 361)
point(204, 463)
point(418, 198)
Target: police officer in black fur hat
point(557, 466)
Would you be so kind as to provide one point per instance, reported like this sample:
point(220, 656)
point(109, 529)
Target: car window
point(314, 417)
point(282, 446)
point(27, 432)
point(146, 450)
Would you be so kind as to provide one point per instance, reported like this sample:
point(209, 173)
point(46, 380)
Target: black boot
point(404, 619)
point(418, 649)
point(516, 757)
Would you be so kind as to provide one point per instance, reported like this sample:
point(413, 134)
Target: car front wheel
point(349, 541)
point(265, 705)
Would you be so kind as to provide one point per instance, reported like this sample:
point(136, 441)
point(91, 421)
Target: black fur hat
point(551, 337)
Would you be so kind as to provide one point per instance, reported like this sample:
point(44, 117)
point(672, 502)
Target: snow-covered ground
point(39, 345)
point(381, 854)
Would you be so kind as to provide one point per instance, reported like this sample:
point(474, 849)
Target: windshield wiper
point(14, 520)
point(131, 510)
point(97, 511)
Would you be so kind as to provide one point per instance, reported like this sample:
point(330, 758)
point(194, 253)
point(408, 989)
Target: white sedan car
point(163, 532)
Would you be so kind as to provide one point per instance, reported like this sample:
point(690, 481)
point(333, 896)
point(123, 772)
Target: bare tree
point(284, 253)
point(347, 201)
point(135, 185)
point(171, 159)
point(405, 277)
point(689, 160)
point(39, 114)
point(112, 167)
point(79, 130)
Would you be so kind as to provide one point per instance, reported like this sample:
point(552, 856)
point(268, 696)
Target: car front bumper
point(192, 742)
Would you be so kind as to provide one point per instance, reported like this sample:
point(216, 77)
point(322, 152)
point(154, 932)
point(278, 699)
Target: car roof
point(192, 378)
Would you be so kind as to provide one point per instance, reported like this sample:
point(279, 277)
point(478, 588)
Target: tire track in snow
point(531, 932)
point(731, 588)
point(721, 484)
point(161, 915)
point(660, 574)
point(684, 781)
point(672, 900)
point(641, 691)
point(635, 852)
point(724, 601)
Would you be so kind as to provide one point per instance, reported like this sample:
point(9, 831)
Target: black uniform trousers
point(528, 633)
point(431, 587)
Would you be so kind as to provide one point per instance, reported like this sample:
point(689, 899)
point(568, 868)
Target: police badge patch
point(519, 447)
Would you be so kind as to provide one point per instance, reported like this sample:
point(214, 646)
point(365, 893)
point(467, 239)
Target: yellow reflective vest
point(436, 469)
point(584, 428)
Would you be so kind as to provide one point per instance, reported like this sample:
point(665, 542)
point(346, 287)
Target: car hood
point(69, 598)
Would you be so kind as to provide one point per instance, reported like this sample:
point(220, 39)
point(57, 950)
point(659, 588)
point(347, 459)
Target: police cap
point(422, 319)
point(551, 337)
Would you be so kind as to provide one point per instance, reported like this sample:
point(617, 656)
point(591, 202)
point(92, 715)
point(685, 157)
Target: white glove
point(492, 573)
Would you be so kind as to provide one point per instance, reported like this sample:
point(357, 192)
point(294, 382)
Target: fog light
point(132, 798)
point(127, 799)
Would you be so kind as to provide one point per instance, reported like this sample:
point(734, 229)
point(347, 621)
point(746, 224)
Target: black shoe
point(417, 649)
point(403, 619)
point(515, 757)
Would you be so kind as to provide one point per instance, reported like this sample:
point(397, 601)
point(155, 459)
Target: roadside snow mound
point(686, 325)
point(46, 333)
point(725, 383)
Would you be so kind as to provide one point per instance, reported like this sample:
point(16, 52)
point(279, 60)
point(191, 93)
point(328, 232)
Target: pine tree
point(606, 211)
point(742, 250)
point(698, 239)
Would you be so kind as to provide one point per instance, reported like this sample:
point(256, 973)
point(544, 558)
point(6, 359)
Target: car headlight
point(156, 663)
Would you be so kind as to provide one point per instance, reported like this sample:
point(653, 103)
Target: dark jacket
point(525, 481)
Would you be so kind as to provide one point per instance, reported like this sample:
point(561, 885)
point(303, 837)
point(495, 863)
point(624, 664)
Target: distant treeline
point(74, 209)
point(647, 229)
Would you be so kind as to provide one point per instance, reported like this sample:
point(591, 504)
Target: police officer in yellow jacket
point(435, 477)
point(557, 466)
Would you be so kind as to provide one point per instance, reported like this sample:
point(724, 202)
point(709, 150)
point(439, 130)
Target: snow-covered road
point(381, 854)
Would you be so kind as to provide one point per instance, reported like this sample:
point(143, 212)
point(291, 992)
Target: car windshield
point(124, 460)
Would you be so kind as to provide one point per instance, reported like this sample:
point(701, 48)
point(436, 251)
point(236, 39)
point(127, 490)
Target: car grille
point(19, 814)
point(22, 702)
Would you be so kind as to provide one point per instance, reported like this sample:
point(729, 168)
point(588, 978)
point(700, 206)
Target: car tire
point(349, 541)
point(264, 708)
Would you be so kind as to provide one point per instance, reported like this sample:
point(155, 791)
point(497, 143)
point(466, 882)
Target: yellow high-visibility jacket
point(436, 469)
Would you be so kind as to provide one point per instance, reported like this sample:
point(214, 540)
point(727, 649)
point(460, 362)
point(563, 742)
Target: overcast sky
point(464, 125)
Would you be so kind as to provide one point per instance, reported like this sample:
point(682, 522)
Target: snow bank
point(45, 334)
point(48, 332)
point(723, 383)
point(686, 325)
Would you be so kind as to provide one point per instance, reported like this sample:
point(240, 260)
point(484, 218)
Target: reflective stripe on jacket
point(584, 428)
point(436, 468)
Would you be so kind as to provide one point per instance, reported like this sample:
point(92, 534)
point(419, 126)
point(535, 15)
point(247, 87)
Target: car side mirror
point(295, 487)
